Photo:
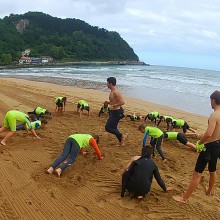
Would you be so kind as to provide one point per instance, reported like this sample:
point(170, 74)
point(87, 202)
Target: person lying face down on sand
point(180, 137)
point(60, 104)
point(209, 146)
point(10, 120)
point(152, 116)
point(156, 138)
point(104, 109)
point(40, 112)
point(75, 144)
point(35, 125)
point(82, 105)
point(138, 175)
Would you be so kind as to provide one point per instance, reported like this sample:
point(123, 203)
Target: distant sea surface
point(181, 88)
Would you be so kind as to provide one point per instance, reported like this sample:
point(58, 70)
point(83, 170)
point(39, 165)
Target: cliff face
point(63, 39)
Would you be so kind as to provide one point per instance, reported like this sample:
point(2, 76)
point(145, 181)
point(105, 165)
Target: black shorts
point(210, 157)
point(185, 127)
point(181, 138)
point(59, 104)
point(82, 107)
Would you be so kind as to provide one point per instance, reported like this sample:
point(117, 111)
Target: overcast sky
point(161, 32)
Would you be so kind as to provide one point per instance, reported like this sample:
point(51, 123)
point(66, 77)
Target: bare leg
point(192, 187)
point(8, 135)
point(123, 139)
point(2, 129)
point(212, 179)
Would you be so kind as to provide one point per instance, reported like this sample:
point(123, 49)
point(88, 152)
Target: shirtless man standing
point(210, 154)
point(116, 111)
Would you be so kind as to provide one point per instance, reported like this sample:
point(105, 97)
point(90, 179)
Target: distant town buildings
point(26, 59)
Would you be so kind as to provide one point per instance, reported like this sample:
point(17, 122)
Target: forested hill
point(63, 39)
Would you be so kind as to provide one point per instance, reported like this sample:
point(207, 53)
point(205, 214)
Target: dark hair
point(96, 137)
point(216, 96)
point(44, 121)
point(141, 126)
point(147, 151)
point(64, 99)
point(112, 80)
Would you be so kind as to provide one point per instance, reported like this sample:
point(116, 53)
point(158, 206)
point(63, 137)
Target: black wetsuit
point(137, 179)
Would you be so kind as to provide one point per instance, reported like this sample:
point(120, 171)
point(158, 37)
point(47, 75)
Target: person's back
point(141, 176)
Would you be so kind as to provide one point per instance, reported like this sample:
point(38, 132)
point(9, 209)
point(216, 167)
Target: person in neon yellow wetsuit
point(10, 120)
point(167, 119)
point(83, 105)
point(152, 116)
point(180, 137)
point(104, 109)
point(39, 112)
point(156, 138)
point(75, 143)
point(179, 123)
point(60, 104)
point(35, 125)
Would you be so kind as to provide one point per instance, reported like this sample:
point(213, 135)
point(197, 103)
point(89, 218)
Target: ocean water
point(182, 88)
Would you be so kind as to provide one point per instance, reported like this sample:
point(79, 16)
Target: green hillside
point(63, 39)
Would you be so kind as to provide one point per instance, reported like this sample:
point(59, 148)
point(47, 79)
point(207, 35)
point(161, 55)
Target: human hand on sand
point(169, 189)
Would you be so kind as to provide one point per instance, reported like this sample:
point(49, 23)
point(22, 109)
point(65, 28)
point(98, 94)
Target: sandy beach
point(90, 188)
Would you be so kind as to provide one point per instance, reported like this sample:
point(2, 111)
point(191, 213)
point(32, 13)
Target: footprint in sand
point(101, 202)
point(82, 209)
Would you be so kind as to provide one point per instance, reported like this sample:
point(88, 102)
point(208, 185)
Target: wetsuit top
point(105, 110)
point(154, 114)
point(171, 135)
point(35, 124)
point(83, 102)
point(140, 179)
point(134, 117)
point(153, 132)
point(21, 117)
point(86, 140)
point(40, 110)
point(179, 122)
point(59, 99)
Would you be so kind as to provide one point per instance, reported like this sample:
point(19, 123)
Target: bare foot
point(50, 170)
point(165, 160)
point(122, 143)
point(207, 192)
point(140, 197)
point(58, 172)
point(3, 143)
point(179, 199)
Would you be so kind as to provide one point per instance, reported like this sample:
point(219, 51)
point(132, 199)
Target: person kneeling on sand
point(10, 120)
point(152, 116)
point(75, 143)
point(138, 175)
point(180, 137)
point(156, 138)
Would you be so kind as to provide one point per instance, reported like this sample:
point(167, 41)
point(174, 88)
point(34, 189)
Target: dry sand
point(90, 189)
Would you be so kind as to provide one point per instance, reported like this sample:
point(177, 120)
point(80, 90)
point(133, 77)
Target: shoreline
point(80, 63)
point(94, 185)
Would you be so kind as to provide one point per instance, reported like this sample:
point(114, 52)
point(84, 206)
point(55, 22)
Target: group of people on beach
point(138, 175)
